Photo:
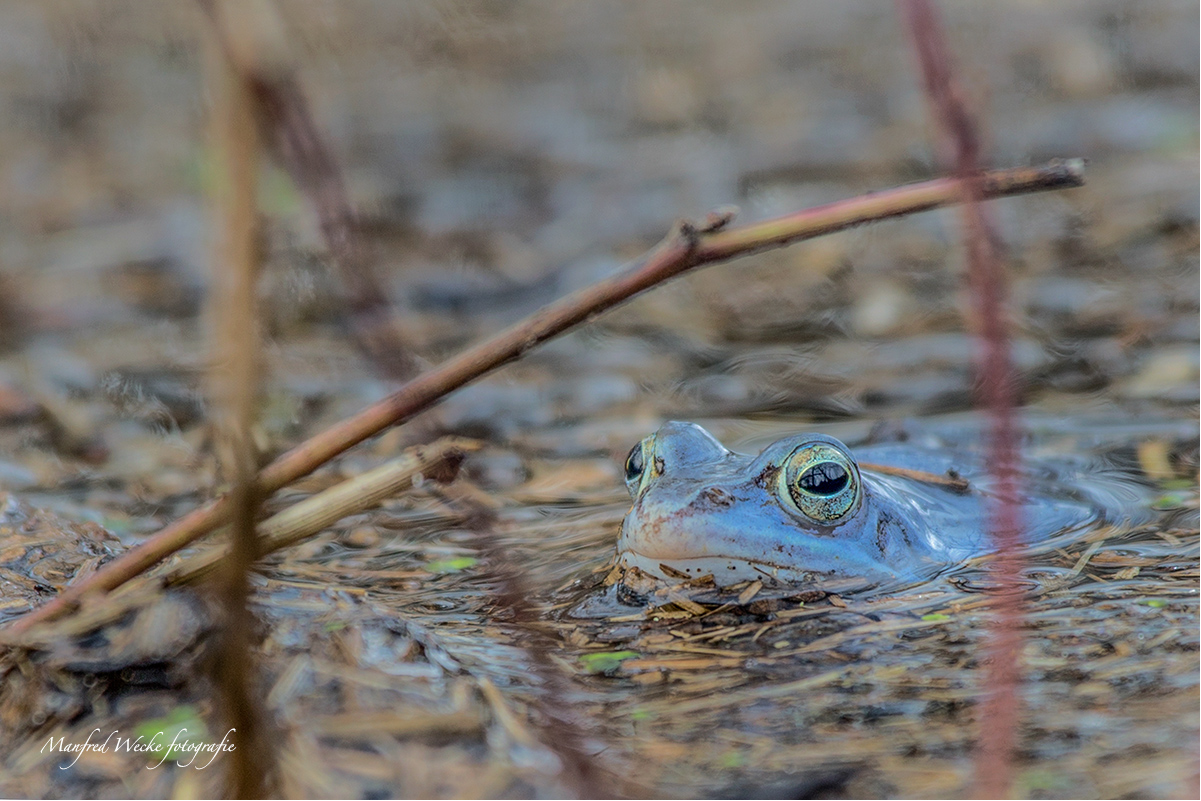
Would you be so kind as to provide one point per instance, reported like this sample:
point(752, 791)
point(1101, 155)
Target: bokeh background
point(506, 154)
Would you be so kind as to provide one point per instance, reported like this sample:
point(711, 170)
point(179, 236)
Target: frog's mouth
point(725, 570)
point(669, 545)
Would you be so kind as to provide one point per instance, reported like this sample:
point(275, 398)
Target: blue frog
point(806, 509)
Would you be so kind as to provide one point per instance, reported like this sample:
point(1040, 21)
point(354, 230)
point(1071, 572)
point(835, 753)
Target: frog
point(806, 509)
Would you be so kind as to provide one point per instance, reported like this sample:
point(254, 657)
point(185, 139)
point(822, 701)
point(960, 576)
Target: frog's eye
point(821, 482)
point(635, 464)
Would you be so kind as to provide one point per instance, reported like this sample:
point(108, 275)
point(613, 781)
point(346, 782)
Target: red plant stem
point(686, 248)
point(559, 729)
point(999, 711)
point(252, 36)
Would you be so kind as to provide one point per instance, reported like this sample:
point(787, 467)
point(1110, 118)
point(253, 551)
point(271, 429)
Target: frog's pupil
point(634, 463)
point(825, 479)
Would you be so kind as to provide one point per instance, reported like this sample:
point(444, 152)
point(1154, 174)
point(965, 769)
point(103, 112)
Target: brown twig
point(252, 36)
point(685, 248)
point(956, 483)
point(234, 390)
point(999, 712)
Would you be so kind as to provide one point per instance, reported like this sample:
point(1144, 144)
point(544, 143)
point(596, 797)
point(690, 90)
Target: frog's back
point(1059, 496)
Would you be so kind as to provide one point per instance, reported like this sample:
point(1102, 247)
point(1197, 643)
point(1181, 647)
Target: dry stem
point(302, 520)
point(234, 387)
point(685, 248)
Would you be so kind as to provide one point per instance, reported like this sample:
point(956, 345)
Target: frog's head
point(798, 511)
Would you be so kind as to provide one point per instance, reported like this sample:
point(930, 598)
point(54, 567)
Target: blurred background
point(504, 154)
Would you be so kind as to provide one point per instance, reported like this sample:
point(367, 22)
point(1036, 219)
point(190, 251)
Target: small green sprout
point(177, 727)
point(606, 661)
point(455, 564)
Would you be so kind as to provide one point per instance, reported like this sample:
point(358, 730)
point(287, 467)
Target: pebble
point(1169, 373)
point(882, 309)
point(1080, 66)
point(361, 537)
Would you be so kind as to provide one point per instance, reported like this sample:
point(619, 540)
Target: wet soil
point(506, 155)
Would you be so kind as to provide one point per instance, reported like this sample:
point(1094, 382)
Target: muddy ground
point(504, 155)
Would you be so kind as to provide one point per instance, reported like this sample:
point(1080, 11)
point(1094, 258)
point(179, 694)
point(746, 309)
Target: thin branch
point(685, 248)
point(999, 711)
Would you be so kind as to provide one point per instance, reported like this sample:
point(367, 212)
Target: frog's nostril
point(714, 496)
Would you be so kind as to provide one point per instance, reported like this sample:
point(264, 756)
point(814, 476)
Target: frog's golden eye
point(821, 482)
point(641, 466)
point(635, 464)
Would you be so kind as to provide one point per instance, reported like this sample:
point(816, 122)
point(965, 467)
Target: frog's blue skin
point(700, 508)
